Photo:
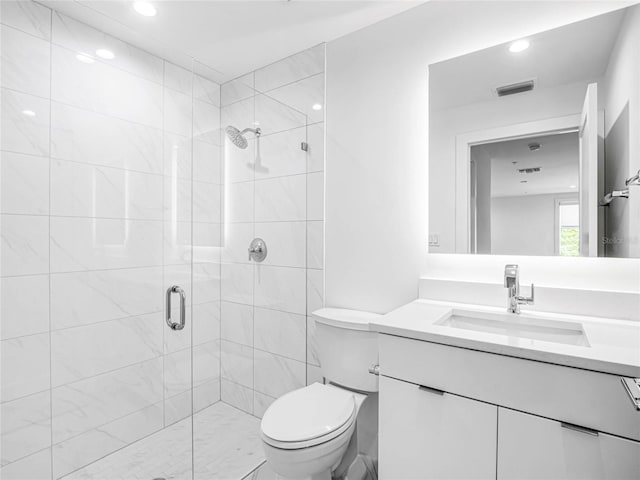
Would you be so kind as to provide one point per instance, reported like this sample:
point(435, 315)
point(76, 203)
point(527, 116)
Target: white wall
point(622, 144)
point(377, 151)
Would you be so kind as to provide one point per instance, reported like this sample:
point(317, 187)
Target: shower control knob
point(257, 250)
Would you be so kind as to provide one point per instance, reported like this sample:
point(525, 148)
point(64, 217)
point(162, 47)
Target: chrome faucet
point(512, 283)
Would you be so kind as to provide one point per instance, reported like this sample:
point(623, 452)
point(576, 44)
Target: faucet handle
point(528, 300)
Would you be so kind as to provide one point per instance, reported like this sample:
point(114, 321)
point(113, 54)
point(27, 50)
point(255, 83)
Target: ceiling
point(229, 38)
point(578, 52)
point(557, 158)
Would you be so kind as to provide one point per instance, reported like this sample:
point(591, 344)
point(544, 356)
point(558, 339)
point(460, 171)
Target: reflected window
point(568, 228)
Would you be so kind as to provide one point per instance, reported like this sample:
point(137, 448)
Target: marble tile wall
point(274, 191)
point(111, 191)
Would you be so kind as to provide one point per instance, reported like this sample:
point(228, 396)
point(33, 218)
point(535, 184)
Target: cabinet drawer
point(591, 399)
point(430, 435)
point(538, 448)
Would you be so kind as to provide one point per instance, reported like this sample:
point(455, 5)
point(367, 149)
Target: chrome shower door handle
point(173, 325)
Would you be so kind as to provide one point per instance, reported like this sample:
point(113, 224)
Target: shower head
point(237, 137)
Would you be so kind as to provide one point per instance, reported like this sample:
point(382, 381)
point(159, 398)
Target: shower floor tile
point(226, 442)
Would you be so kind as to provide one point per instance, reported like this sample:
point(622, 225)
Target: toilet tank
point(346, 348)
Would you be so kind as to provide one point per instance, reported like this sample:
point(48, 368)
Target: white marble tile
point(177, 408)
point(312, 346)
point(85, 136)
point(177, 243)
point(206, 90)
point(30, 17)
point(315, 244)
point(25, 366)
point(105, 89)
point(178, 112)
point(91, 244)
point(207, 199)
point(24, 184)
point(280, 288)
point(239, 163)
point(238, 202)
point(286, 243)
point(96, 443)
point(274, 116)
point(82, 38)
point(178, 199)
point(315, 196)
point(177, 373)
point(178, 78)
point(281, 333)
point(206, 394)
point(237, 323)
point(315, 154)
point(25, 307)
point(260, 403)
point(303, 96)
point(275, 375)
point(82, 298)
point(237, 363)
point(36, 466)
point(206, 322)
point(281, 199)
point(24, 246)
point(236, 395)
point(207, 162)
point(296, 67)
point(79, 189)
point(238, 236)
point(314, 375)
point(281, 154)
point(238, 89)
point(206, 363)
point(26, 62)
point(206, 282)
point(315, 290)
point(237, 283)
point(206, 122)
point(177, 156)
point(82, 406)
point(24, 132)
point(89, 350)
point(207, 241)
point(26, 426)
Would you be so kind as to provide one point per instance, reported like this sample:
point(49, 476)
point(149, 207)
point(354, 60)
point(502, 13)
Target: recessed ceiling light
point(29, 113)
point(519, 46)
point(317, 106)
point(573, 186)
point(84, 58)
point(145, 9)
point(106, 54)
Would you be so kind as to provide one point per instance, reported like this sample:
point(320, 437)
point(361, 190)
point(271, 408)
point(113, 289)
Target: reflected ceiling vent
point(514, 88)
point(530, 170)
point(534, 147)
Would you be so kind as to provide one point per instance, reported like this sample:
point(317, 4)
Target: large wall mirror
point(535, 144)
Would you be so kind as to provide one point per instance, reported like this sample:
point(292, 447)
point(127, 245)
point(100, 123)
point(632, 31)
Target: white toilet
point(311, 432)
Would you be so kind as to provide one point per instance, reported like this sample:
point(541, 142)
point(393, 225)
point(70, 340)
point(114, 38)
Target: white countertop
point(614, 345)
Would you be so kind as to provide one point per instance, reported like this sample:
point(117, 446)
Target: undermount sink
point(568, 333)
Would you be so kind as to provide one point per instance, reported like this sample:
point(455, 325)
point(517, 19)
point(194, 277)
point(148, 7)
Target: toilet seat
point(309, 416)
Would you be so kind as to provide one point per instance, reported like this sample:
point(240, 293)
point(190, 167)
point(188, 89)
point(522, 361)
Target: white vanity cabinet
point(426, 433)
point(532, 447)
point(484, 415)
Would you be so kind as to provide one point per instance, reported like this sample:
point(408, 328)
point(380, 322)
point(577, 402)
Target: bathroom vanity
point(475, 392)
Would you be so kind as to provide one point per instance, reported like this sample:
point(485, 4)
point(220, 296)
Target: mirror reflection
point(534, 144)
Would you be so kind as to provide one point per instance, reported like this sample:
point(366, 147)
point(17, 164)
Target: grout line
point(49, 243)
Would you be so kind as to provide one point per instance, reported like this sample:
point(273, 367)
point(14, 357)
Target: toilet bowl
point(311, 432)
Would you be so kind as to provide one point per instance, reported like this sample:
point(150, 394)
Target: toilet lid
point(311, 412)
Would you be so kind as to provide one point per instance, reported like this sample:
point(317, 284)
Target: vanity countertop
point(613, 345)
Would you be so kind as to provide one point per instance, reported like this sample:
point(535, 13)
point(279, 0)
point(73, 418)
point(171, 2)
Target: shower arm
point(255, 131)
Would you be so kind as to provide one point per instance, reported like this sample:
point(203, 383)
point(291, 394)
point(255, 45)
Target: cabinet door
point(531, 447)
point(430, 435)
